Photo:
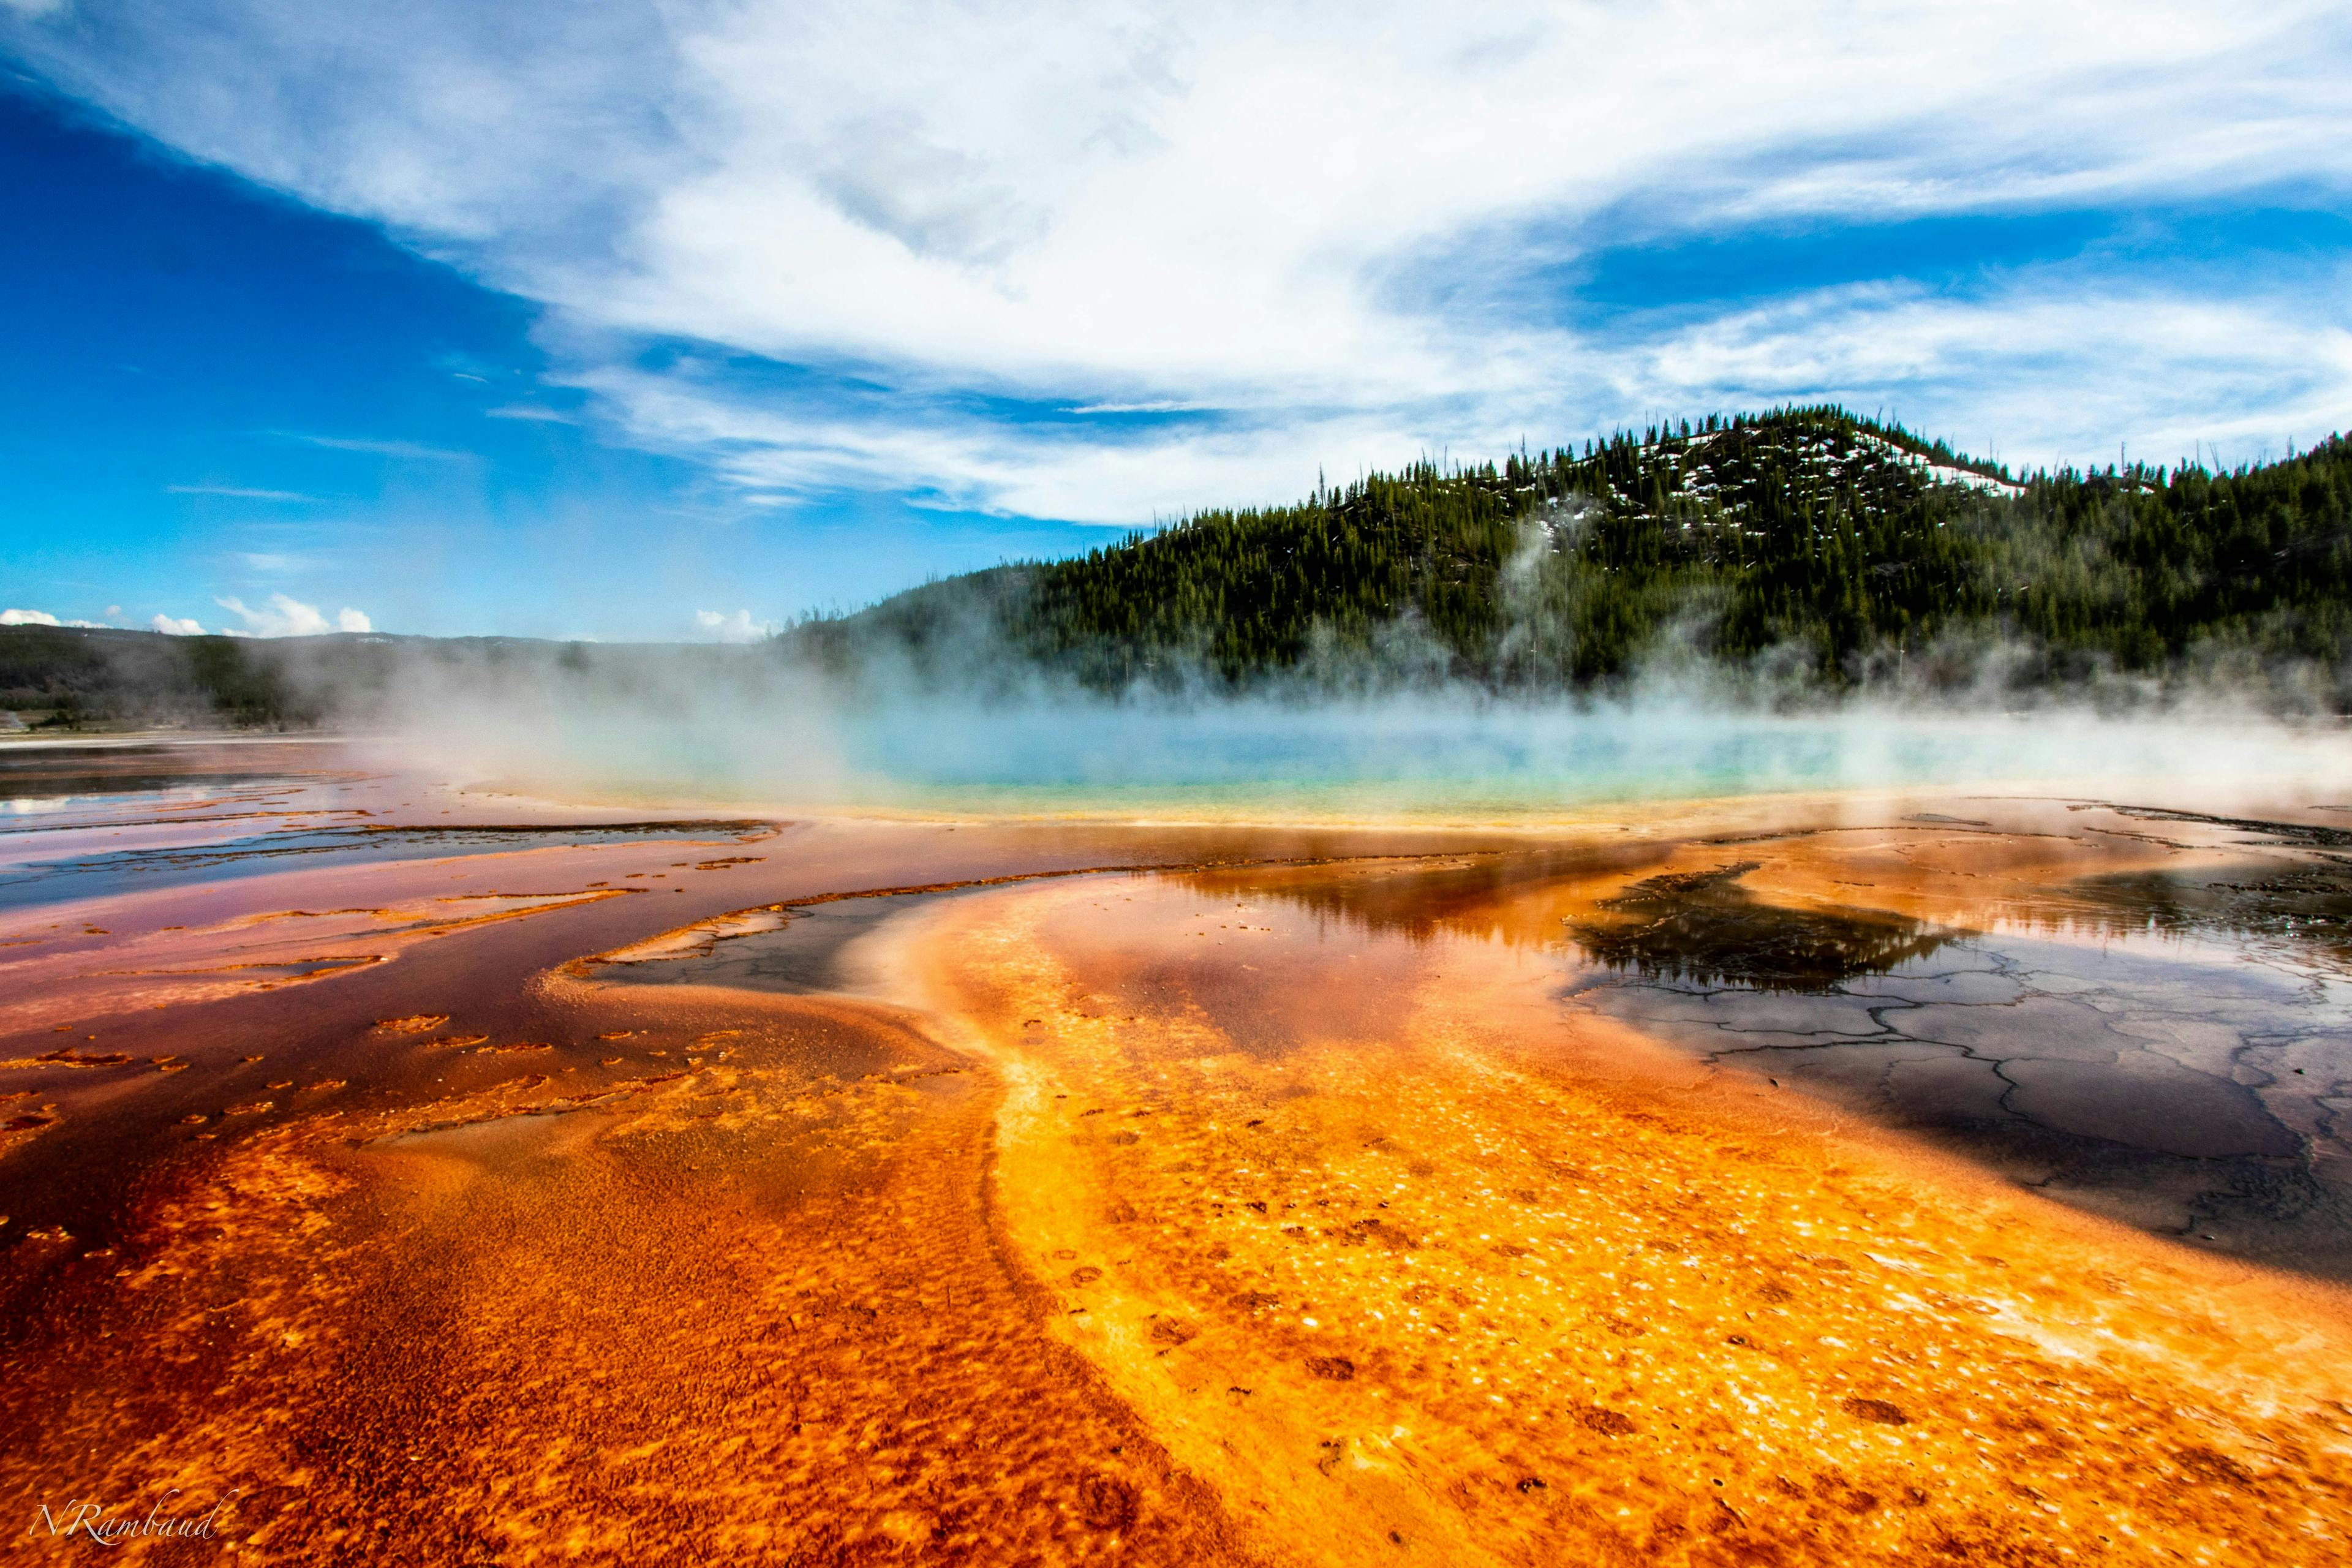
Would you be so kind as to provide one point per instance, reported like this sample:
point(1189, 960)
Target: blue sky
point(672, 322)
point(216, 392)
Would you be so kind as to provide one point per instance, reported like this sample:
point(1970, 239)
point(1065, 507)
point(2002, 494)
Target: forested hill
point(1835, 545)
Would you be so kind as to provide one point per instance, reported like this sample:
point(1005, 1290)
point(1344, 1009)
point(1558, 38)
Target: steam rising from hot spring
point(774, 735)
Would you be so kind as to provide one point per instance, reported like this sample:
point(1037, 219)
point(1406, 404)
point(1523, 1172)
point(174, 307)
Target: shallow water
point(28, 876)
point(2116, 1042)
point(1446, 756)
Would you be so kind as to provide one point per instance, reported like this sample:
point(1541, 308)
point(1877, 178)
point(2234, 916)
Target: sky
point(673, 321)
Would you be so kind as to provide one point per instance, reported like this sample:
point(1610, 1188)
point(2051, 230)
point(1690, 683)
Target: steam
point(757, 727)
point(924, 707)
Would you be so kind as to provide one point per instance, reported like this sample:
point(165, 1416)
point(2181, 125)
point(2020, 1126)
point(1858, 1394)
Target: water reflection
point(29, 881)
point(2168, 1047)
point(1515, 897)
point(1704, 928)
point(2306, 910)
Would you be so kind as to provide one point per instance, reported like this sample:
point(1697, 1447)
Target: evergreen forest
point(1836, 546)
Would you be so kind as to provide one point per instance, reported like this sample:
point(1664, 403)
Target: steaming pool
point(1431, 759)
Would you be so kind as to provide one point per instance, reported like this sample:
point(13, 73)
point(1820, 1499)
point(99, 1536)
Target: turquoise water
point(1435, 757)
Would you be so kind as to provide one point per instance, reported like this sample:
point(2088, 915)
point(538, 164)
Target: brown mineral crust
point(761, 1307)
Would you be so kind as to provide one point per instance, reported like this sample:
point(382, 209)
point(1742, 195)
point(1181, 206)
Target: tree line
point(1837, 545)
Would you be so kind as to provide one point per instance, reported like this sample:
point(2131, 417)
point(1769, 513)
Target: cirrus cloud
point(238, 492)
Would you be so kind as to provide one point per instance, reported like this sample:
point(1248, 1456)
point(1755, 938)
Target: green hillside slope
point(1831, 540)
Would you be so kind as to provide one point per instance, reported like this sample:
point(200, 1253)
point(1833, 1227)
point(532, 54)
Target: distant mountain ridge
point(1803, 549)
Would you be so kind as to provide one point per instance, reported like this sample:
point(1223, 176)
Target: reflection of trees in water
point(1698, 926)
point(2308, 906)
point(2298, 895)
point(1704, 928)
point(1487, 895)
point(2303, 898)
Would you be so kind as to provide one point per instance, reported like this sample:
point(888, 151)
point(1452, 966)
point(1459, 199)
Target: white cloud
point(404, 449)
point(530, 412)
point(285, 616)
point(2174, 374)
point(1321, 221)
point(41, 619)
point(36, 7)
point(737, 628)
point(971, 461)
point(238, 492)
point(179, 628)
